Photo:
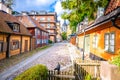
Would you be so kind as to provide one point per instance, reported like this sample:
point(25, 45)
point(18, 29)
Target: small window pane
point(111, 42)
point(15, 45)
point(111, 49)
point(112, 36)
point(106, 47)
point(106, 36)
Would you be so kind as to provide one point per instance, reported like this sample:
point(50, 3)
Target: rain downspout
point(113, 20)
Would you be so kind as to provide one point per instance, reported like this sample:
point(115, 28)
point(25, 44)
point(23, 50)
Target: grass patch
point(13, 60)
point(38, 72)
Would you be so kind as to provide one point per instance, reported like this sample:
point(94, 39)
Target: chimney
point(24, 13)
point(4, 7)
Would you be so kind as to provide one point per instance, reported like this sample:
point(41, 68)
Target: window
point(16, 27)
point(42, 25)
point(1, 46)
point(48, 19)
point(95, 41)
point(109, 42)
point(42, 19)
point(38, 41)
point(15, 45)
point(48, 25)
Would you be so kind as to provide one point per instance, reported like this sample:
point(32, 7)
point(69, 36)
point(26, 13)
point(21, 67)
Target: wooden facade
point(14, 37)
point(101, 39)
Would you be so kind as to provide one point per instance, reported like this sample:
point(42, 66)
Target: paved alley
point(59, 52)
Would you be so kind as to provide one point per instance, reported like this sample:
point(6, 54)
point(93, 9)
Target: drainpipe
point(113, 20)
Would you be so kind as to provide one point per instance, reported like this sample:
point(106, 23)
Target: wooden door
point(87, 44)
point(26, 46)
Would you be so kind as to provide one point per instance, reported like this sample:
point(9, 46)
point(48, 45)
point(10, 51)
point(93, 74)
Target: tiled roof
point(30, 22)
point(112, 5)
point(38, 25)
point(5, 28)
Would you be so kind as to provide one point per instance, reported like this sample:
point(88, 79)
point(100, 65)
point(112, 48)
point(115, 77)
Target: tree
point(64, 36)
point(79, 9)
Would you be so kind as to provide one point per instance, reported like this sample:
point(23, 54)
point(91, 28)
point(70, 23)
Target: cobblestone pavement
point(59, 52)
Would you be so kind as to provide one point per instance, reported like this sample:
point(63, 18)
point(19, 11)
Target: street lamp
point(85, 24)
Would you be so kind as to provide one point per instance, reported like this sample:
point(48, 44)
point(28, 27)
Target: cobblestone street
point(59, 52)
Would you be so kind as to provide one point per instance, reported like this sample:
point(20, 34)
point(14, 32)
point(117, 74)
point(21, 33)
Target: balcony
point(52, 34)
point(49, 28)
point(44, 21)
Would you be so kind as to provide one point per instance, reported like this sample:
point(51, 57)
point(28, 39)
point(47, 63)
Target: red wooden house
point(40, 35)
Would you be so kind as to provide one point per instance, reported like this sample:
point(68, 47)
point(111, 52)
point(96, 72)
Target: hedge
point(38, 72)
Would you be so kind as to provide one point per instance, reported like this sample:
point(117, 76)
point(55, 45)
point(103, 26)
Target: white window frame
point(95, 41)
point(109, 42)
point(15, 44)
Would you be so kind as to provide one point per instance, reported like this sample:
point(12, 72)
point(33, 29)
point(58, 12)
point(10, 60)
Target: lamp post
point(85, 24)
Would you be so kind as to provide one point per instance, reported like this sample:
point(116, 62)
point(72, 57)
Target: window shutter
point(11, 46)
point(4, 46)
point(19, 44)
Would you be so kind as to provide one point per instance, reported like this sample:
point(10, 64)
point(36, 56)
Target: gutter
point(114, 20)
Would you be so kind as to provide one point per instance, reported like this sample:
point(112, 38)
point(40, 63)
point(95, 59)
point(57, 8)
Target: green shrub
point(88, 77)
point(116, 60)
point(34, 73)
point(49, 41)
point(64, 36)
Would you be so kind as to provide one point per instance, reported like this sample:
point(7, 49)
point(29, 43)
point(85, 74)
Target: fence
point(84, 69)
point(63, 75)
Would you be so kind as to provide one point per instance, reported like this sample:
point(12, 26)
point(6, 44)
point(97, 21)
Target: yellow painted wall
point(17, 51)
point(23, 43)
point(80, 42)
point(100, 31)
point(2, 38)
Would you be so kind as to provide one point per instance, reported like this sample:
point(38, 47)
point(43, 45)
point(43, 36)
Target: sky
point(38, 5)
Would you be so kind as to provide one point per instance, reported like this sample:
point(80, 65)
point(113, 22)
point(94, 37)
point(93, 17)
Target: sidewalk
point(20, 65)
point(74, 52)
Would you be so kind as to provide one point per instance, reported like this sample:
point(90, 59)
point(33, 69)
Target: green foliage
point(88, 77)
point(116, 60)
point(79, 9)
point(49, 41)
point(64, 36)
point(34, 73)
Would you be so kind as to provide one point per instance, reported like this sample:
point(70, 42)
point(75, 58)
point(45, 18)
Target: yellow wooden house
point(100, 40)
point(14, 37)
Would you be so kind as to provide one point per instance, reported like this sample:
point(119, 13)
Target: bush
point(116, 60)
point(64, 36)
point(88, 77)
point(34, 73)
point(49, 41)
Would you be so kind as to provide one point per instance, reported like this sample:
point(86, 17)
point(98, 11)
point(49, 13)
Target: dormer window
point(14, 26)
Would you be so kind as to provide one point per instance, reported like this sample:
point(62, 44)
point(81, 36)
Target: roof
point(5, 28)
point(112, 5)
point(30, 22)
point(104, 19)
